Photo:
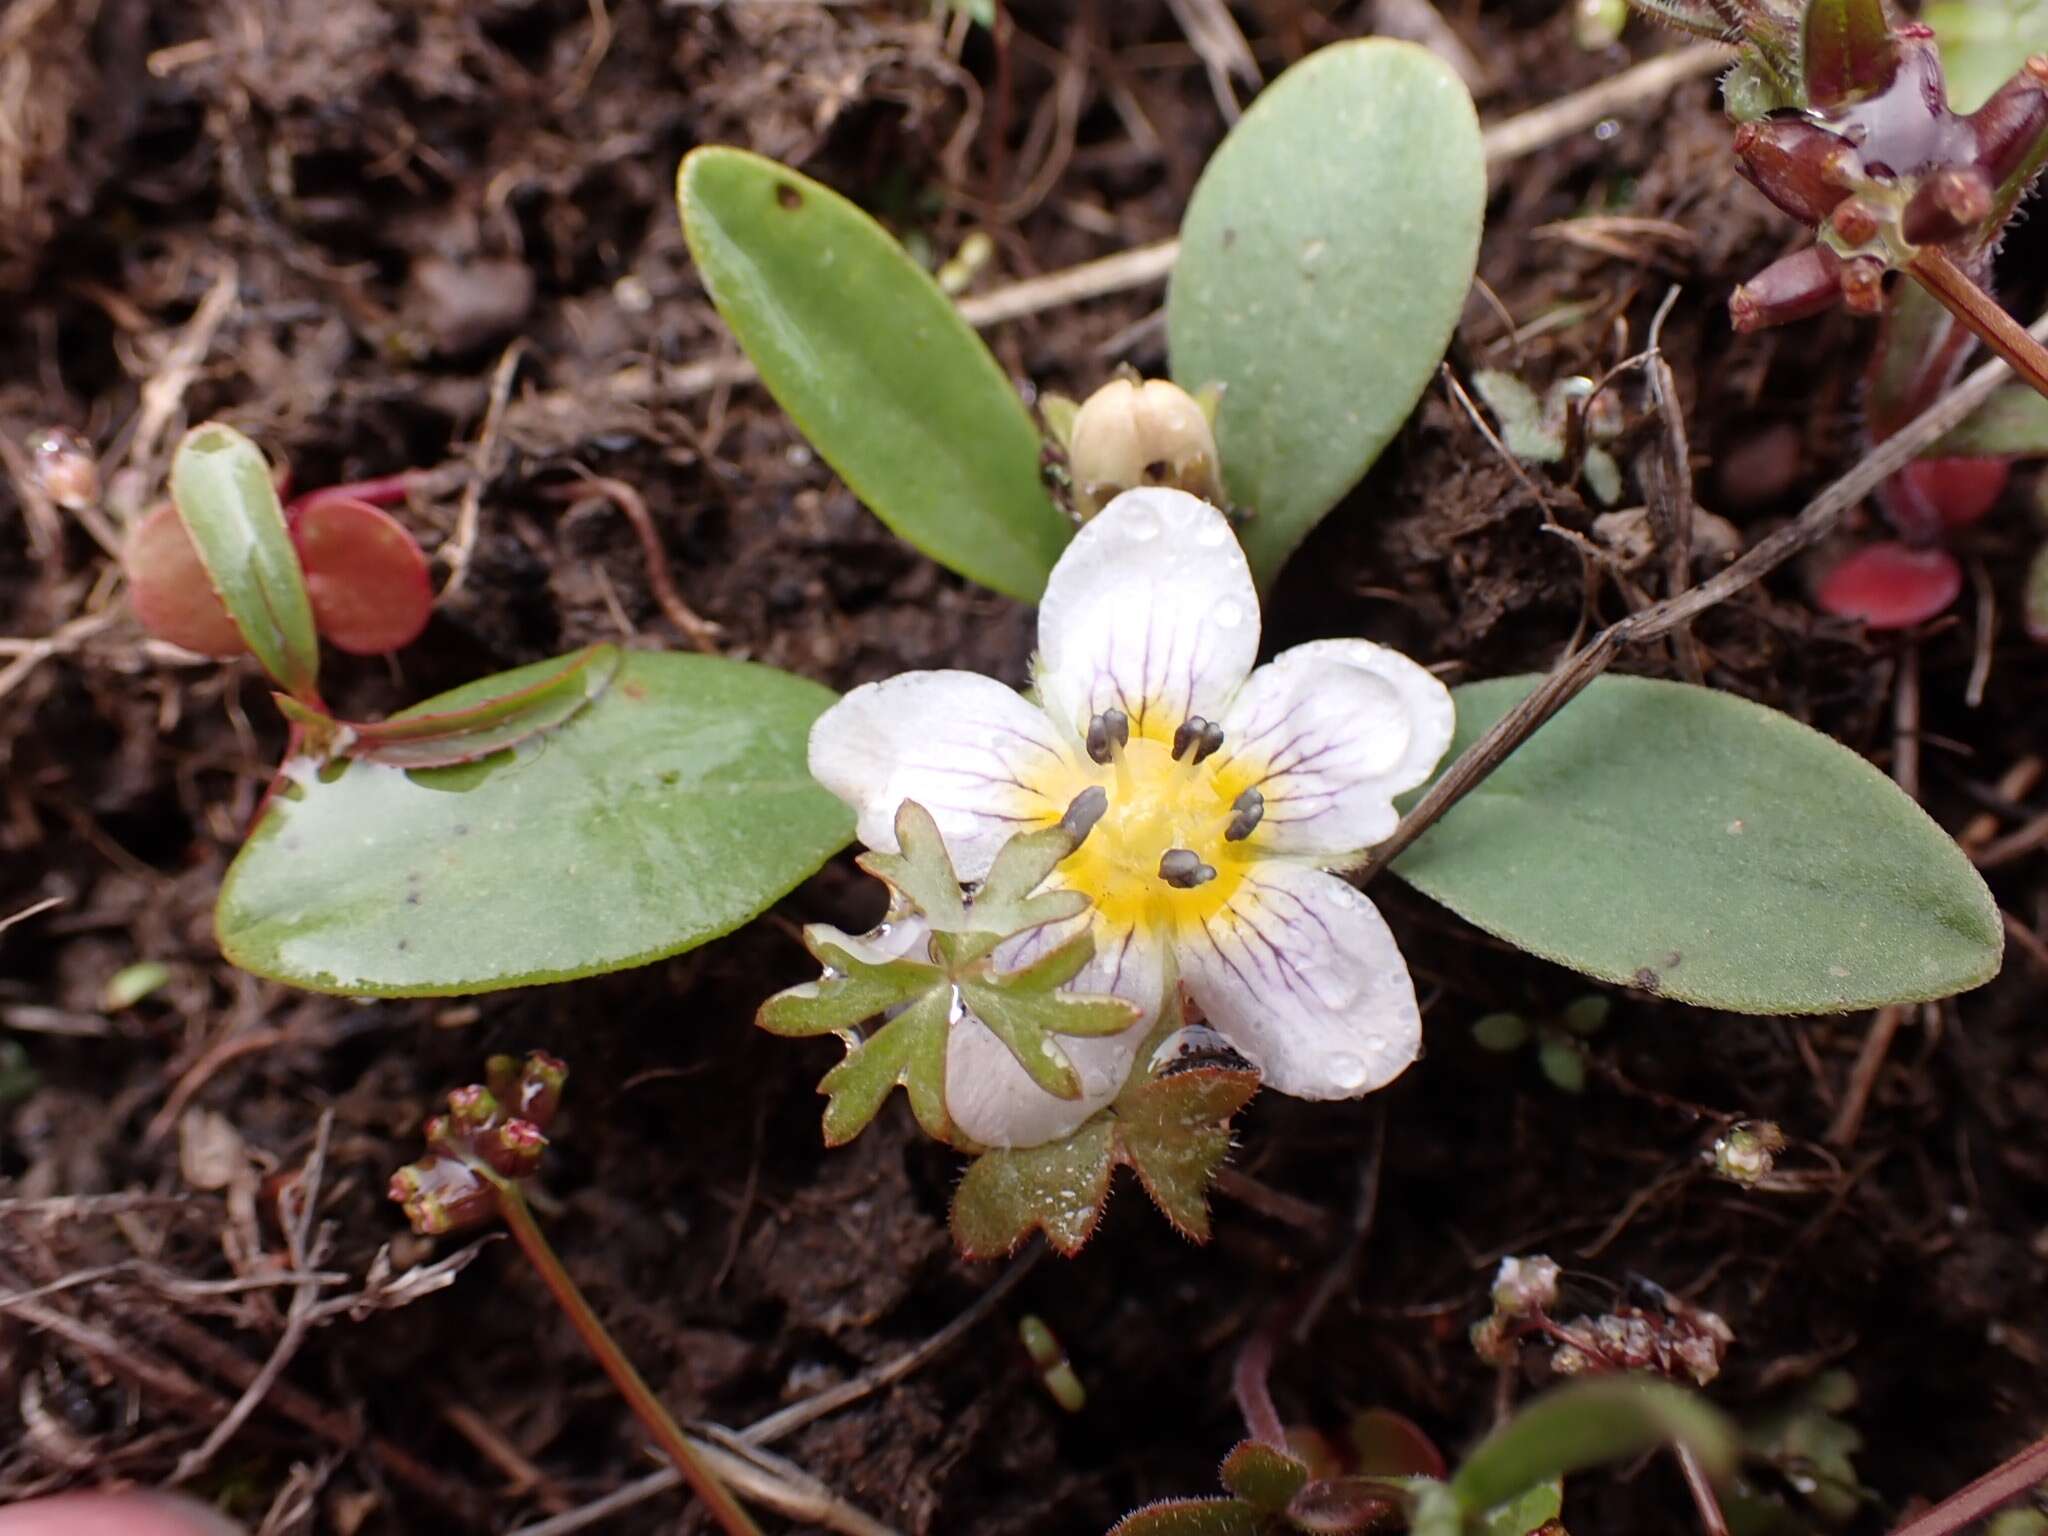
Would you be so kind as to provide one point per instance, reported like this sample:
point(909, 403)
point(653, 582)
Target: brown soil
point(396, 194)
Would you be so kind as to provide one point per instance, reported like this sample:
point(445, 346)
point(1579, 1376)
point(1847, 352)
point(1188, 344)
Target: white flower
point(1230, 792)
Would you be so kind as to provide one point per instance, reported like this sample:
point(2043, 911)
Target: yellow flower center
point(1158, 807)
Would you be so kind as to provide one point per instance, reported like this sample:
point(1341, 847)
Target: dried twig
point(459, 547)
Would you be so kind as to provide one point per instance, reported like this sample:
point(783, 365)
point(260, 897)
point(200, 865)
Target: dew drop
point(1228, 615)
point(1347, 1071)
point(1142, 525)
point(1212, 532)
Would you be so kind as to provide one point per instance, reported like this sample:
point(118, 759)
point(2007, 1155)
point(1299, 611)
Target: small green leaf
point(1024, 1009)
point(1585, 1423)
point(1388, 1444)
point(1059, 1188)
point(1325, 258)
point(1694, 844)
point(1520, 414)
point(1983, 42)
point(1266, 1478)
point(922, 873)
point(875, 366)
point(1562, 1064)
point(668, 812)
point(1750, 93)
point(1846, 51)
point(1528, 1512)
point(1501, 1032)
point(1174, 1131)
point(221, 485)
point(1005, 903)
point(2012, 424)
point(1587, 1015)
point(1195, 1517)
point(852, 991)
point(910, 1051)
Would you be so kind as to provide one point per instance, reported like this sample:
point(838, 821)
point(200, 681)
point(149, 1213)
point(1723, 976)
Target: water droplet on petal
point(1347, 1071)
point(1228, 615)
point(1142, 525)
point(1213, 532)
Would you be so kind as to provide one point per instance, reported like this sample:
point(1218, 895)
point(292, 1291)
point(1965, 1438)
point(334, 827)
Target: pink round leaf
point(1959, 490)
point(169, 589)
point(366, 576)
point(1891, 586)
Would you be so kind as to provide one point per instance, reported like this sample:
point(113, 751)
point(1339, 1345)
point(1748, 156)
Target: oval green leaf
point(1697, 845)
point(2012, 424)
point(221, 485)
point(895, 391)
point(1324, 260)
point(667, 812)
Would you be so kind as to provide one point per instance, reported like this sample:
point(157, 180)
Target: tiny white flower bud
point(1748, 1152)
point(1523, 1286)
point(1127, 435)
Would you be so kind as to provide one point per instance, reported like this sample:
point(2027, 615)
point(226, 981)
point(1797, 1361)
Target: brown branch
point(1578, 669)
point(1984, 315)
point(1983, 1496)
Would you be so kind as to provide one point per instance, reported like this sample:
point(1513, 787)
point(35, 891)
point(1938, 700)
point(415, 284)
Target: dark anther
point(1200, 736)
point(1083, 811)
point(1180, 868)
point(1247, 810)
point(1106, 732)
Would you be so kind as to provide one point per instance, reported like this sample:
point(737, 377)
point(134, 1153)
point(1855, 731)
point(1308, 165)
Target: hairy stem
point(1982, 314)
point(1977, 1500)
point(638, 1395)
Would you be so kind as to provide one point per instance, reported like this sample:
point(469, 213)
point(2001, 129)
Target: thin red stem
point(1250, 1380)
point(383, 491)
point(1994, 1488)
point(1976, 309)
point(638, 1395)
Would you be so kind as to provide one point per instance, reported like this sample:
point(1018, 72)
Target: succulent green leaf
point(1846, 51)
point(875, 366)
point(1059, 1189)
point(922, 873)
point(910, 1051)
point(1520, 413)
point(221, 486)
point(1527, 1512)
point(1196, 1517)
point(667, 812)
point(444, 738)
point(1325, 258)
point(1264, 1477)
point(1983, 42)
point(1694, 844)
point(1501, 1032)
point(1587, 1015)
point(1562, 1063)
point(1587, 1422)
point(2012, 424)
point(1174, 1131)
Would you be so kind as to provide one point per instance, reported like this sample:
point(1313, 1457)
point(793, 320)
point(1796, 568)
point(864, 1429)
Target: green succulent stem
point(518, 1218)
point(1976, 309)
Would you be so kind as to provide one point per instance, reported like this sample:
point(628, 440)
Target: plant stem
point(1994, 1488)
point(638, 1395)
point(1975, 308)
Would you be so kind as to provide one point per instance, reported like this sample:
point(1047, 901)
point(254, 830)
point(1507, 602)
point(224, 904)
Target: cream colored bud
point(1126, 435)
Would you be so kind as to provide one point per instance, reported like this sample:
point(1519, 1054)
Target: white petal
point(1150, 610)
point(991, 1097)
point(1300, 973)
point(1330, 733)
point(977, 755)
point(903, 936)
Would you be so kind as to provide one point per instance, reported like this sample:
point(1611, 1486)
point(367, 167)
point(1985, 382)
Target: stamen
point(1180, 868)
point(1106, 732)
point(1201, 736)
point(1083, 811)
point(1248, 810)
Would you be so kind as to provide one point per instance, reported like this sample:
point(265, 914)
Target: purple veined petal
point(1329, 733)
point(991, 1097)
point(1300, 973)
point(1151, 610)
point(980, 757)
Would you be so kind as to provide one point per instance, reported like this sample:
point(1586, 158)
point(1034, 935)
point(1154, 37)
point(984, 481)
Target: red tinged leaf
point(169, 589)
point(1891, 586)
point(1957, 491)
point(1846, 51)
point(366, 577)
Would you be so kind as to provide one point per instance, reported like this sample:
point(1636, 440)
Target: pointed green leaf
point(1527, 1512)
point(1846, 51)
point(1174, 1131)
point(876, 367)
point(221, 485)
point(1324, 261)
point(1005, 904)
point(1694, 844)
point(910, 1051)
point(1059, 1189)
point(1024, 1009)
point(922, 873)
point(668, 812)
point(2012, 424)
point(1195, 1517)
point(1262, 1476)
point(1587, 1422)
point(852, 991)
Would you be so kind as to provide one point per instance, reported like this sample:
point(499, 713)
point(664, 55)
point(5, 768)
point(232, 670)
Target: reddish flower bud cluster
point(490, 1134)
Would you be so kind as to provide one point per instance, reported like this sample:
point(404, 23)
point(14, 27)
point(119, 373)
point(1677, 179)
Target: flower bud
point(1524, 1286)
point(2011, 128)
point(513, 1149)
point(1863, 285)
point(1950, 202)
point(1127, 435)
point(1798, 165)
point(1747, 1153)
point(1790, 288)
point(65, 469)
point(440, 1195)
